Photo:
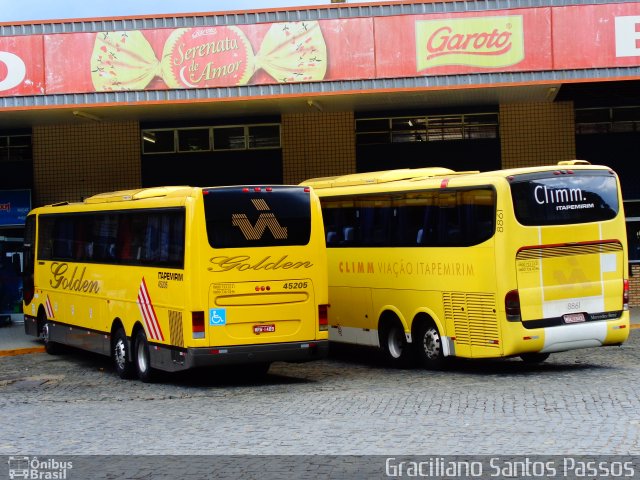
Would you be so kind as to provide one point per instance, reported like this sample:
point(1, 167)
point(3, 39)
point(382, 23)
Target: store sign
point(21, 65)
point(480, 42)
point(210, 57)
point(14, 207)
point(469, 42)
point(627, 32)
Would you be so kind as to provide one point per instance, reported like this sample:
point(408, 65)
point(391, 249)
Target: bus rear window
point(240, 217)
point(580, 197)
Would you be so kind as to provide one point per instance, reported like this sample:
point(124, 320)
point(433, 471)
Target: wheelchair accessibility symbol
point(217, 316)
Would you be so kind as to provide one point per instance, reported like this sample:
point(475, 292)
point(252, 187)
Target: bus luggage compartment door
point(261, 312)
point(568, 280)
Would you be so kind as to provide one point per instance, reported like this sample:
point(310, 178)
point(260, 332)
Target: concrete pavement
point(13, 340)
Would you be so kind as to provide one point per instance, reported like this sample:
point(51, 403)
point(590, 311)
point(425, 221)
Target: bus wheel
point(532, 358)
point(394, 343)
point(429, 347)
point(141, 358)
point(121, 356)
point(52, 348)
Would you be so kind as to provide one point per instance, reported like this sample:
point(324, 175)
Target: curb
point(21, 351)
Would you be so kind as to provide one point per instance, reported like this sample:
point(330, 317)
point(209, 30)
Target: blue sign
point(217, 317)
point(14, 207)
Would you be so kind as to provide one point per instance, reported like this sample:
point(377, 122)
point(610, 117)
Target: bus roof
point(408, 175)
point(139, 194)
point(377, 177)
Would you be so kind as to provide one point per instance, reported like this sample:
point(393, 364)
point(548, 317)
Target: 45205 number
point(294, 285)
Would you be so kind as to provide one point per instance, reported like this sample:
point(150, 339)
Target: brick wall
point(535, 134)
point(634, 286)
point(71, 162)
point(317, 144)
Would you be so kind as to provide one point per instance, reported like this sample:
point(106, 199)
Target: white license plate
point(258, 329)
point(574, 318)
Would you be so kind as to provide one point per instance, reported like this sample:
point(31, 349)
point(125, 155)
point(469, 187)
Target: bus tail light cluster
point(512, 306)
point(197, 324)
point(625, 295)
point(323, 318)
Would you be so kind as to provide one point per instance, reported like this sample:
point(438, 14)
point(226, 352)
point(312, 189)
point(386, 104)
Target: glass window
point(133, 237)
point(372, 125)
point(429, 218)
point(264, 136)
point(237, 218)
point(229, 138)
point(633, 238)
point(559, 200)
point(158, 141)
point(193, 140)
point(15, 148)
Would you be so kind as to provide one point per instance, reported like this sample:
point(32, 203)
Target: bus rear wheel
point(141, 358)
point(51, 347)
point(394, 344)
point(120, 351)
point(428, 343)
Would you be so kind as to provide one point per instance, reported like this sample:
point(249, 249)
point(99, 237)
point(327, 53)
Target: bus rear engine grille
point(175, 325)
point(473, 316)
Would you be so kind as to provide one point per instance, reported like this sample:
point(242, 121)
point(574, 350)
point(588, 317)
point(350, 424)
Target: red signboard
point(596, 36)
point(496, 41)
point(21, 66)
point(516, 40)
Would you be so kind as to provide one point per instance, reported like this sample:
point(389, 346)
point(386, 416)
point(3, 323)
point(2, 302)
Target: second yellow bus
point(430, 263)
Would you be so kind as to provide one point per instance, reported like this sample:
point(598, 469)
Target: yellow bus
point(430, 263)
point(170, 278)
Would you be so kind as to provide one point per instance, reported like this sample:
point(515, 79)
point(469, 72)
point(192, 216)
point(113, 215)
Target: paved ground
point(351, 405)
point(580, 402)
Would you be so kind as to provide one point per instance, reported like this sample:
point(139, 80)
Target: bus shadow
point(374, 358)
point(212, 377)
point(84, 361)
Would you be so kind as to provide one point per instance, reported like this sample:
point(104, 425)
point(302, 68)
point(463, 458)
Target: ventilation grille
point(567, 250)
point(175, 325)
point(473, 316)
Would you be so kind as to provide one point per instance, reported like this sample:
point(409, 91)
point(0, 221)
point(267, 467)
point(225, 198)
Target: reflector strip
point(49, 308)
point(148, 313)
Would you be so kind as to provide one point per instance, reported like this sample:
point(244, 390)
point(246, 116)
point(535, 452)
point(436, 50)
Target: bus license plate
point(573, 318)
point(258, 329)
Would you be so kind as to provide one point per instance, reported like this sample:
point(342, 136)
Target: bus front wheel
point(121, 355)
point(141, 358)
point(532, 358)
point(394, 344)
point(428, 343)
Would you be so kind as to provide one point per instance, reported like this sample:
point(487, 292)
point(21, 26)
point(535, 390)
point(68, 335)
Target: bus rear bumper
point(296, 352)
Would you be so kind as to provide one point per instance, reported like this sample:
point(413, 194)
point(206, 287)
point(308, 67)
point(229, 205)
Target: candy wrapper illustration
point(208, 57)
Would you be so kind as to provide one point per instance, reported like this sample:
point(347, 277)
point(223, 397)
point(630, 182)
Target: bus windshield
point(261, 217)
point(549, 199)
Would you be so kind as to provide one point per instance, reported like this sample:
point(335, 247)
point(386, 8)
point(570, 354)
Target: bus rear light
point(625, 295)
point(307, 189)
point(512, 306)
point(323, 318)
point(197, 324)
